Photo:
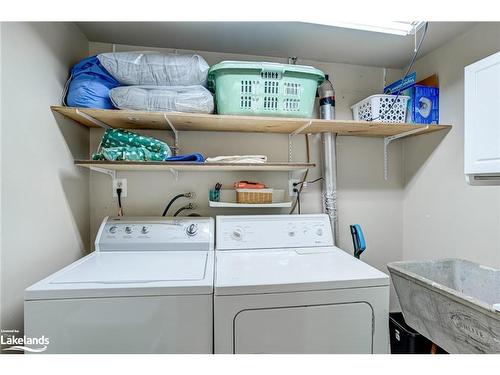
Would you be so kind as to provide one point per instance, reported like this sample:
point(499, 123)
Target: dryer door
point(332, 328)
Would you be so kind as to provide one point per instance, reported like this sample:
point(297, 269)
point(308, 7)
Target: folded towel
point(195, 157)
point(238, 159)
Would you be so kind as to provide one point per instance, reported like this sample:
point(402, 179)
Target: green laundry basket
point(264, 89)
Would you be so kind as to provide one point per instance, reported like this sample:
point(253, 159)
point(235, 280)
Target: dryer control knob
point(145, 230)
point(319, 231)
point(128, 230)
point(113, 229)
point(237, 234)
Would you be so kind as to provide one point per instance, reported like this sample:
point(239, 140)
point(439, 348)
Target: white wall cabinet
point(482, 121)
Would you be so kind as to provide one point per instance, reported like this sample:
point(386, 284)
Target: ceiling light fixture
point(386, 27)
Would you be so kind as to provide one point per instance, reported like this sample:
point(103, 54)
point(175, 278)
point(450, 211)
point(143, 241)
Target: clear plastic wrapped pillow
point(191, 99)
point(152, 68)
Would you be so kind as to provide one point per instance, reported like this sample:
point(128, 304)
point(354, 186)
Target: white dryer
point(282, 287)
point(148, 288)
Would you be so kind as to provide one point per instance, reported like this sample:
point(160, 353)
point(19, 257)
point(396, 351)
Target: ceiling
point(277, 39)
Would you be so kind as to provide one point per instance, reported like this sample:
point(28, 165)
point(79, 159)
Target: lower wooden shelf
point(191, 167)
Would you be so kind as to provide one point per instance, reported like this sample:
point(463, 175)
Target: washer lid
point(130, 273)
point(292, 270)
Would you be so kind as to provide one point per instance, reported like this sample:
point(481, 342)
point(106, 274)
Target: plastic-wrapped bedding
point(89, 85)
point(152, 68)
point(191, 99)
point(120, 144)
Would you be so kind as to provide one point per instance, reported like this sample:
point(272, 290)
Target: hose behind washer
point(187, 195)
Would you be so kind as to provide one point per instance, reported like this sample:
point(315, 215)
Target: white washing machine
point(148, 288)
point(282, 287)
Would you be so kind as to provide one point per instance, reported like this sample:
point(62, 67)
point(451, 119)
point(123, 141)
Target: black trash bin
point(405, 340)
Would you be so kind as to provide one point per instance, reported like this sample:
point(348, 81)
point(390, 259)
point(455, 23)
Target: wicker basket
point(254, 196)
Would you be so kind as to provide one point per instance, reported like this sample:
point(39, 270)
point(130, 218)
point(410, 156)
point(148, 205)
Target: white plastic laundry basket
point(381, 108)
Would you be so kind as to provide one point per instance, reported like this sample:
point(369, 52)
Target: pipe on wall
point(330, 181)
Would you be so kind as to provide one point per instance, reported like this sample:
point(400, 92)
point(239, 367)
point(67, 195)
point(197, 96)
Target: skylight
point(386, 27)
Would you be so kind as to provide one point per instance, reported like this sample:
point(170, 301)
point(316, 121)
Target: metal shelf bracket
point(388, 140)
point(300, 129)
point(93, 120)
point(175, 173)
point(297, 131)
point(176, 134)
point(111, 173)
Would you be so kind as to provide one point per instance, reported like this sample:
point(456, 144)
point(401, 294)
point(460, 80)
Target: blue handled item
point(358, 240)
point(214, 194)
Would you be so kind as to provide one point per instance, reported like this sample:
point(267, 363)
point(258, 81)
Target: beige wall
point(45, 202)
point(444, 216)
point(364, 196)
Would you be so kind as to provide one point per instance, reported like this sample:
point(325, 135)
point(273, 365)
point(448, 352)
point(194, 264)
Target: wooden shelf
point(200, 122)
point(191, 167)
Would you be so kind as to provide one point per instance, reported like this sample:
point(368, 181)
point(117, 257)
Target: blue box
point(402, 84)
point(423, 106)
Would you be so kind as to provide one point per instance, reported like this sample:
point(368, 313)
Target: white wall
point(443, 215)
point(45, 201)
point(364, 196)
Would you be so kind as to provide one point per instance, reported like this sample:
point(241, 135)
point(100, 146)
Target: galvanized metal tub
point(451, 302)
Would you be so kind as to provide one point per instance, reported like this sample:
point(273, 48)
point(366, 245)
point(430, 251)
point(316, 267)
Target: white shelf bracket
point(297, 131)
point(175, 173)
point(302, 128)
point(388, 140)
point(93, 120)
point(111, 173)
point(176, 134)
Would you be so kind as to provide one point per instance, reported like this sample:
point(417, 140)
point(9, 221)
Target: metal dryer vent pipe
point(330, 181)
point(327, 112)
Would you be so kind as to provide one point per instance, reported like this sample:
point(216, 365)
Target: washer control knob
point(319, 231)
point(128, 230)
point(145, 230)
point(113, 229)
point(192, 230)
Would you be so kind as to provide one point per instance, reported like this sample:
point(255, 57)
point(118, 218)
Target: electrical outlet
point(291, 187)
point(120, 183)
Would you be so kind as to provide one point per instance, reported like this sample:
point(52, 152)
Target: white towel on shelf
point(238, 159)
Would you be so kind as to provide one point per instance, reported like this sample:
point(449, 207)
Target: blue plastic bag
point(89, 85)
